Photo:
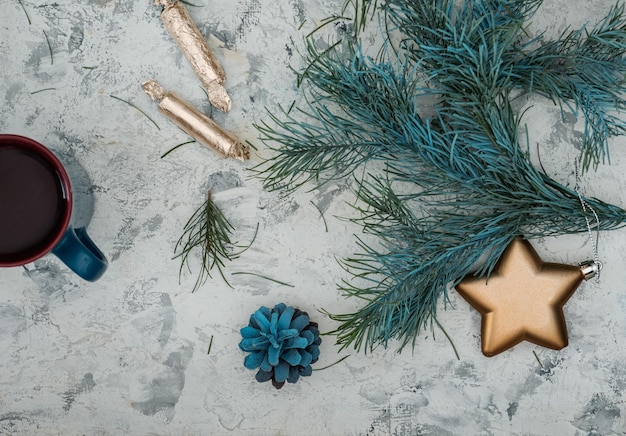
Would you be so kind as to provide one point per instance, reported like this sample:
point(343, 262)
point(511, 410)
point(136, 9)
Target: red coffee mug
point(36, 208)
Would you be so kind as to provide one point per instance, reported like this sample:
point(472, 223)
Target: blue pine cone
point(283, 343)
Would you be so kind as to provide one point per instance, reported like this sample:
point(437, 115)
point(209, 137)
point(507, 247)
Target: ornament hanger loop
point(597, 265)
point(590, 269)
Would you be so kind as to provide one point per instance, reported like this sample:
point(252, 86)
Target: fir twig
point(209, 231)
point(583, 70)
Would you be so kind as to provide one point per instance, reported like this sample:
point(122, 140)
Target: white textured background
point(128, 354)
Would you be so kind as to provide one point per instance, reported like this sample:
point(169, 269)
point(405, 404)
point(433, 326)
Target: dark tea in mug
point(35, 201)
point(36, 209)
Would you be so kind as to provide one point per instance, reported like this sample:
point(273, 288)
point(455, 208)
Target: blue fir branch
point(582, 71)
point(453, 185)
point(586, 67)
point(421, 255)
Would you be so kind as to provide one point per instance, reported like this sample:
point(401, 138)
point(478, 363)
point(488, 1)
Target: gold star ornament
point(523, 299)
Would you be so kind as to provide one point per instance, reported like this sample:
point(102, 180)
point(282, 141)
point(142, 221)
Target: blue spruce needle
point(455, 186)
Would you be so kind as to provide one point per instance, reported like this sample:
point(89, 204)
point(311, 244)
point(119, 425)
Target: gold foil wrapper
point(200, 127)
point(180, 25)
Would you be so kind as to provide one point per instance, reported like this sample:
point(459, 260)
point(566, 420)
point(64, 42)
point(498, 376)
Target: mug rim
point(50, 157)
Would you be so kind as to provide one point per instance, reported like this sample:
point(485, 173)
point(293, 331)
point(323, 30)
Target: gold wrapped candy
point(179, 24)
point(200, 127)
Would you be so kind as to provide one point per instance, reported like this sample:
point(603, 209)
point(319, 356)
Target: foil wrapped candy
point(200, 127)
point(182, 28)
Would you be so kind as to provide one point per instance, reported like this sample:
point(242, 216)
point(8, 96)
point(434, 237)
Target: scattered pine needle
point(319, 56)
point(251, 145)
point(210, 346)
point(42, 90)
point(132, 105)
point(191, 4)
point(322, 215)
point(49, 47)
point(89, 68)
point(246, 247)
point(210, 114)
point(447, 336)
point(537, 357)
point(291, 107)
point(263, 277)
point(174, 148)
point(24, 9)
point(326, 22)
point(208, 98)
point(332, 364)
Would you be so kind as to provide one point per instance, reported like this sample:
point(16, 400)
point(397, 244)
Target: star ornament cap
point(523, 299)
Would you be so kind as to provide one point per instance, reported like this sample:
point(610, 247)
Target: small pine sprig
point(209, 231)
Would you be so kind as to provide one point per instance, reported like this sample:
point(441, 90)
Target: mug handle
point(80, 254)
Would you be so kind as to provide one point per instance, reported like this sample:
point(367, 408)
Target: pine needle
point(210, 345)
point(456, 353)
point(49, 47)
point(25, 12)
point(321, 215)
point(191, 4)
point(251, 145)
point(361, 9)
point(175, 147)
point(138, 109)
point(206, 93)
point(326, 22)
point(42, 90)
point(263, 277)
point(332, 364)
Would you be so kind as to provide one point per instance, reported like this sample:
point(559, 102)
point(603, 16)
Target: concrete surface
point(128, 354)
